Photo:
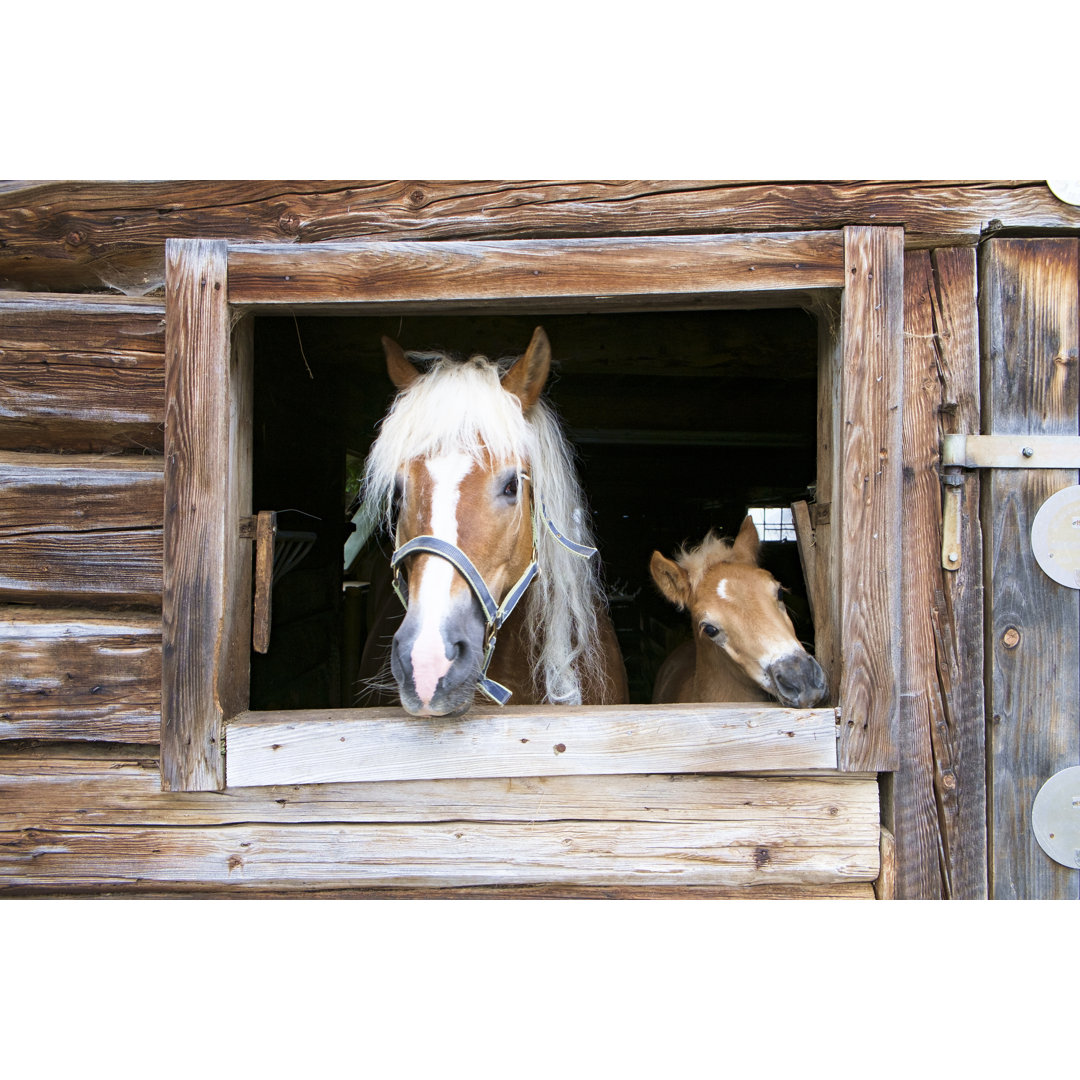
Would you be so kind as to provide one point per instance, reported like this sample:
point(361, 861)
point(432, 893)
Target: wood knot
point(417, 198)
point(560, 748)
point(1011, 638)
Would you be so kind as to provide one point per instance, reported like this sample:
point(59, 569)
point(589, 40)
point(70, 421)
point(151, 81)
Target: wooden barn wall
point(81, 482)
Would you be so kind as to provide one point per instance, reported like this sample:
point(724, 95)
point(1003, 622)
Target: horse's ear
point(527, 377)
point(401, 370)
point(671, 579)
point(747, 546)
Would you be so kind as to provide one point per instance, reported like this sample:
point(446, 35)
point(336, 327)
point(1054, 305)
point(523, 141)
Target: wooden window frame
point(853, 280)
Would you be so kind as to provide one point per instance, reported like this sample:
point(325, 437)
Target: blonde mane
point(697, 560)
point(460, 406)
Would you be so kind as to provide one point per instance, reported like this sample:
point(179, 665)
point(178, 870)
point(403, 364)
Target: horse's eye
point(709, 630)
point(511, 489)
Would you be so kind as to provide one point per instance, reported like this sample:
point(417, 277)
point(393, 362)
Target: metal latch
point(959, 452)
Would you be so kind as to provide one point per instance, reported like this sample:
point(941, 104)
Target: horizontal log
point(42, 493)
point(81, 374)
point(382, 272)
point(80, 675)
point(108, 567)
point(860, 890)
point(316, 746)
point(80, 528)
point(303, 857)
point(63, 235)
point(59, 792)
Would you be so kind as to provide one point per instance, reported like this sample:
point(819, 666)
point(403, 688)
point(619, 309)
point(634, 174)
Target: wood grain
point(1030, 339)
point(79, 675)
point(869, 496)
point(81, 373)
point(207, 492)
point(380, 272)
point(313, 746)
point(66, 235)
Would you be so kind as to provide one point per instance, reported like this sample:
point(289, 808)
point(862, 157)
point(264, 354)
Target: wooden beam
point(207, 492)
point(316, 747)
point(1030, 342)
point(381, 272)
point(80, 675)
point(81, 374)
point(869, 498)
point(63, 235)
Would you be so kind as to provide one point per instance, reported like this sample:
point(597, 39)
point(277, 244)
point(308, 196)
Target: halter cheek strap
point(494, 614)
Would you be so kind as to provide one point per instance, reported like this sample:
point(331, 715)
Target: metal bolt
point(953, 557)
point(1027, 451)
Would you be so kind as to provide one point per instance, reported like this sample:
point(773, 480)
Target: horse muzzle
point(437, 668)
point(797, 681)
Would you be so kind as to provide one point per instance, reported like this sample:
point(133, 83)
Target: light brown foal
point(744, 646)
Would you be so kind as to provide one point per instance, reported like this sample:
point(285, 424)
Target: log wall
point(82, 412)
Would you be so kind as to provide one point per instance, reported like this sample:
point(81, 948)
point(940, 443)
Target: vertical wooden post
point(1030, 328)
point(939, 789)
point(207, 490)
point(868, 495)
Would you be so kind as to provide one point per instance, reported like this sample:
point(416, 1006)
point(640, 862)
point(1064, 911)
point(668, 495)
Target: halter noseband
point(494, 614)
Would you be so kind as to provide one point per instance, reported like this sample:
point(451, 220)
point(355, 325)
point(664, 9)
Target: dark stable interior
point(681, 421)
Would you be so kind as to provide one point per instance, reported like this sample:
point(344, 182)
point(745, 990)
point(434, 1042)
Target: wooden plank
point(440, 855)
point(81, 373)
point(859, 890)
point(380, 272)
point(72, 234)
point(79, 528)
point(79, 675)
point(869, 495)
point(119, 788)
point(885, 886)
point(315, 746)
point(78, 493)
point(207, 492)
point(959, 743)
point(1031, 339)
point(265, 533)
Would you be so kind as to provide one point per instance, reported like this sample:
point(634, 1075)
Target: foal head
point(736, 608)
point(456, 448)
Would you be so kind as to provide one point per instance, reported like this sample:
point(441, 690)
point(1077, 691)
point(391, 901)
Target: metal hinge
point(960, 452)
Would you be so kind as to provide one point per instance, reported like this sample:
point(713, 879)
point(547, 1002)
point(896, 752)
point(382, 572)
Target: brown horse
point(744, 646)
point(475, 481)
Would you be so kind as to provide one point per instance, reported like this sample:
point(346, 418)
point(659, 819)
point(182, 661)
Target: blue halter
point(495, 614)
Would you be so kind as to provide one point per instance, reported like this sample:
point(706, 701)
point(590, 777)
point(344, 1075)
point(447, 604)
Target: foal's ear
point(399, 367)
point(527, 377)
point(671, 579)
point(747, 546)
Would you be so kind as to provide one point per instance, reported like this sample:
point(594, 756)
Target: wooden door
point(1030, 334)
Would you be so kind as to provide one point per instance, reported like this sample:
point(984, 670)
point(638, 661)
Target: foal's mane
point(460, 406)
point(697, 560)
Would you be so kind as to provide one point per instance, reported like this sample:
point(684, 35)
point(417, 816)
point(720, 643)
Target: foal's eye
point(511, 489)
point(709, 630)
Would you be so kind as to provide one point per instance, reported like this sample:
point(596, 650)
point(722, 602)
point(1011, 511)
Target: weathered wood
point(81, 373)
point(89, 790)
point(959, 743)
point(872, 314)
point(206, 600)
point(265, 532)
point(832, 891)
point(449, 854)
point(61, 235)
point(79, 675)
point(315, 747)
point(1030, 329)
point(885, 886)
point(939, 790)
point(380, 272)
point(804, 535)
point(42, 493)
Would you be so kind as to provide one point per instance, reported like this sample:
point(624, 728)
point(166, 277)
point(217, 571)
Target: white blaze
point(432, 599)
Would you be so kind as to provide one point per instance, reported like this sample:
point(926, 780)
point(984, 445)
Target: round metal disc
point(1067, 191)
point(1055, 817)
point(1055, 537)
